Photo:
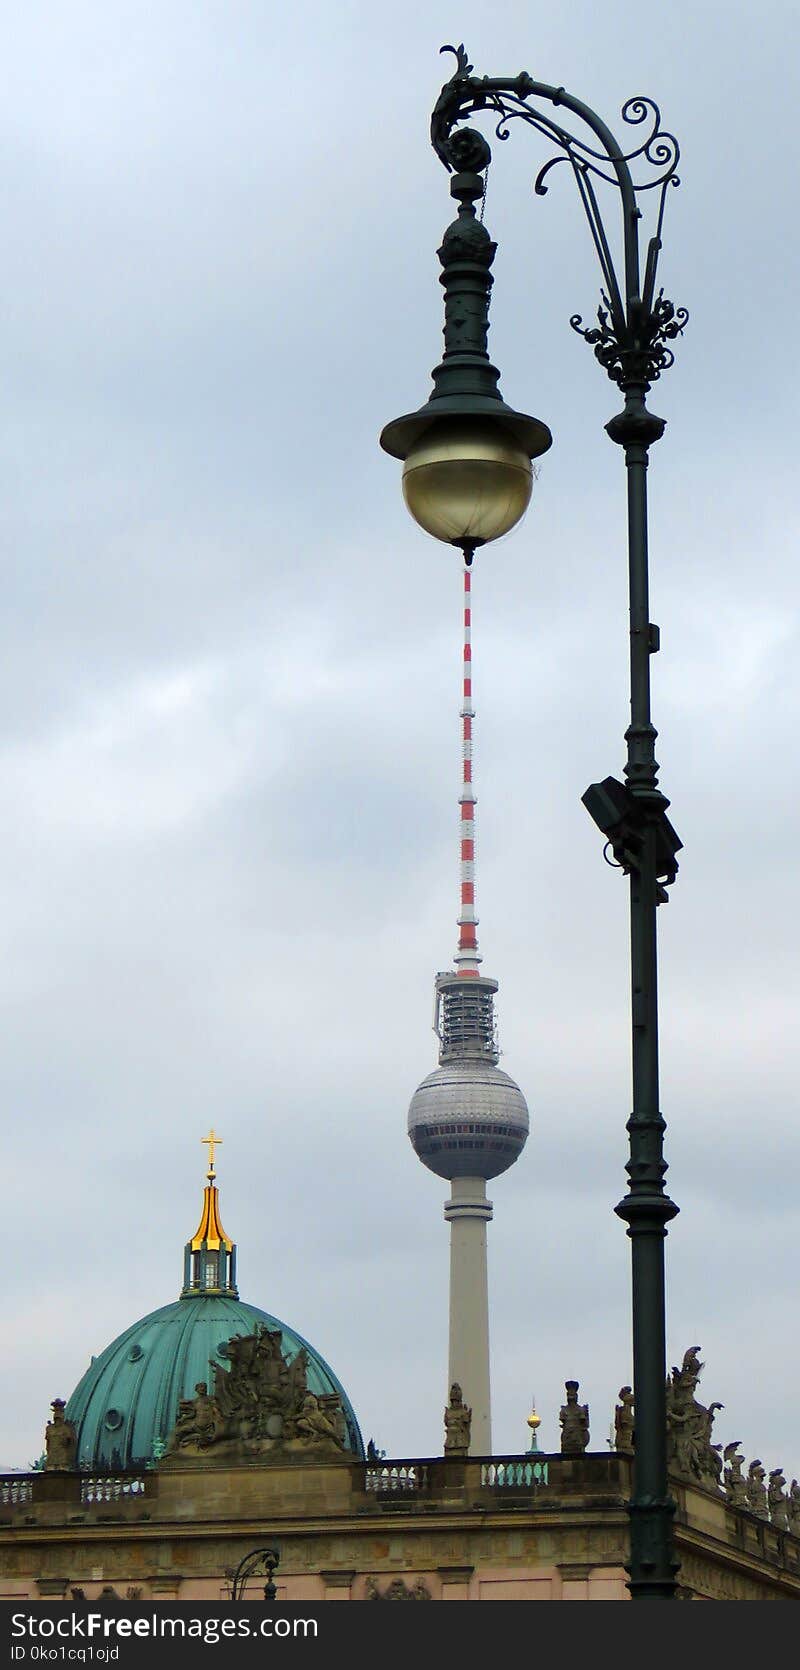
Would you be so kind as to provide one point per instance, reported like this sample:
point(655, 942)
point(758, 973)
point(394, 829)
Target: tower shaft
point(468, 1121)
point(468, 1211)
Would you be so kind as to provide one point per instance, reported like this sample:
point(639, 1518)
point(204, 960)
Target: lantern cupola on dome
point(209, 1259)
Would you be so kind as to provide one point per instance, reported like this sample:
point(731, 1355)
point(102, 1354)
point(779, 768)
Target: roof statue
point(689, 1425)
point(623, 1422)
point(260, 1406)
point(457, 1423)
point(60, 1440)
point(757, 1490)
point(777, 1499)
point(690, 1453)
point(574, 1418)
point(735, 1483)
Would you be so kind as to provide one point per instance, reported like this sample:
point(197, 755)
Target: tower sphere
point(468, 1119)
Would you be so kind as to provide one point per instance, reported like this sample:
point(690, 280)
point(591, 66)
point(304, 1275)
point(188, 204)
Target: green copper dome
point(125, 1406)
point(128, 1397)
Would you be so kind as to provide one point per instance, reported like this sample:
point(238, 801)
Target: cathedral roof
point(125, 1406)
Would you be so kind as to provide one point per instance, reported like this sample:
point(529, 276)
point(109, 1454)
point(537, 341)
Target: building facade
point(513, 1528)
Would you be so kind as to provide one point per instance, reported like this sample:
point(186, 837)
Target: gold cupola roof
point(210, 1255)
point(209, 1232)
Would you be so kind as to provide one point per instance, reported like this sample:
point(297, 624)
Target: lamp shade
point(467, 481)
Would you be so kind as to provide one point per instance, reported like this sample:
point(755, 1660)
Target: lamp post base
point(653, 1566)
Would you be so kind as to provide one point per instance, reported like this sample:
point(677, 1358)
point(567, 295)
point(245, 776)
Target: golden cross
point(212, 1141)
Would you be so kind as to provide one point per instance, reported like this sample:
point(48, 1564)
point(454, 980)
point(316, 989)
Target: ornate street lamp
point(261, 1560)
point(467, 476)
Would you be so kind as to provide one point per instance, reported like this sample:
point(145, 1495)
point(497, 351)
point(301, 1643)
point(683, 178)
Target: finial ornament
point(213, 1141)
point(534, 1422)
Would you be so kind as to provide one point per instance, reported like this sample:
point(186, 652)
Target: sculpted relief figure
point(574, 1418)
point(457, 1423)
point(60, 1439)
point(397, 1590)
point(623, 1422)
point(200, 1422)
point(312, 1423)
point(255, 1393)
point(255, 1386)
point(794, 1508)
point(260, 1404)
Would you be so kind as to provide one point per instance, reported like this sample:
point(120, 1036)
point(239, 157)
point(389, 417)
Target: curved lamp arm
point(634, 324)
point(264, 1560)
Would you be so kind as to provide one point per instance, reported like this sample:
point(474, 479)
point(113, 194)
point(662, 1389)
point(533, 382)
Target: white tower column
point(468, 1211)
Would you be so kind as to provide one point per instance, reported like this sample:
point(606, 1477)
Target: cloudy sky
point(229, 748)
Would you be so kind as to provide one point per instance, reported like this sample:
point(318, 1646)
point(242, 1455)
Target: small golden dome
point(534, 1420)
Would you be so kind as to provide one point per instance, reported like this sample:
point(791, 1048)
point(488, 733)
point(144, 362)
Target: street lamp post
point(467, 480)
point(263, 1560)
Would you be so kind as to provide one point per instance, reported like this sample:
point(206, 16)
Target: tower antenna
point(467, 958)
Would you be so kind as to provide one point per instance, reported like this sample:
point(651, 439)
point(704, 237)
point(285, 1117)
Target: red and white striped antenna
point(467, 958)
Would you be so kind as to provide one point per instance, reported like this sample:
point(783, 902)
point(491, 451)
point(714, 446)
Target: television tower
point(468, 1121)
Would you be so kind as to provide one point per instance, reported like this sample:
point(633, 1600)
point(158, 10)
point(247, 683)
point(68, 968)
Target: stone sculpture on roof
point(756, 1490)
point(260, 1405)
point(60, 1440)
point(574, 1418)
point(689, 1425)
point(457, 1423)
point(735, 1483)
point(692, 1455)
point(777, 1499)
point(623, 1422)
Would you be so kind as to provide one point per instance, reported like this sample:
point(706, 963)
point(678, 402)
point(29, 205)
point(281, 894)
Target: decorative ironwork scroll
point(634, 324)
